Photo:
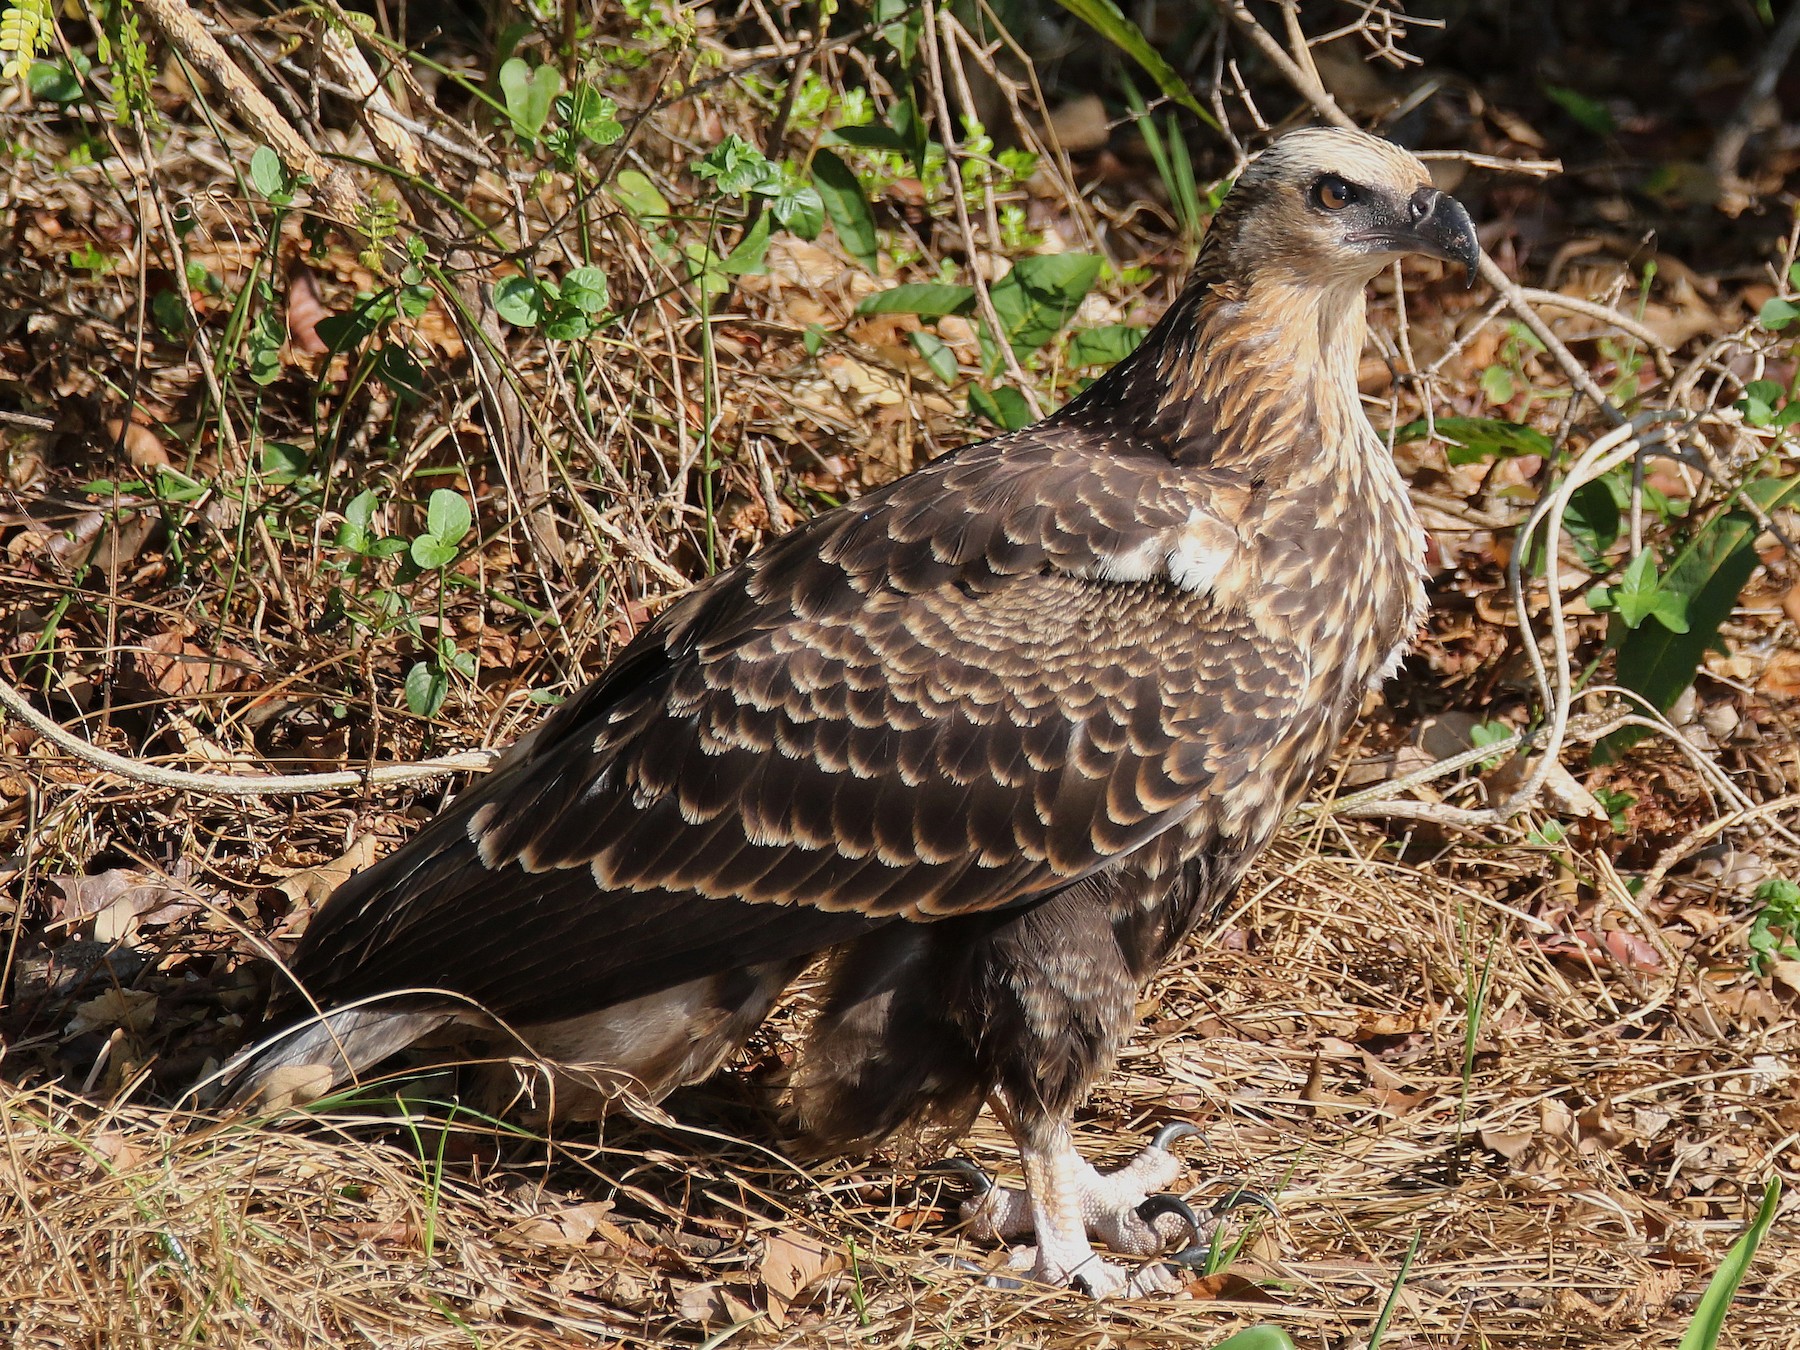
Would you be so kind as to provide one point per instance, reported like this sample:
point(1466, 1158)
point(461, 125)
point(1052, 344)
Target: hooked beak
point(1439, 226)
point(1429, 222)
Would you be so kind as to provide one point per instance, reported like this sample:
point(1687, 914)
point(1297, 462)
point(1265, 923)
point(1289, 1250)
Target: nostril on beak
point(1422, 204)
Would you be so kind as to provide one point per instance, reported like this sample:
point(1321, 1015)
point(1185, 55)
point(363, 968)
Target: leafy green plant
point(25, 28)
point(383, 608)
point(1656, 657)
point(584, 117)
point(1775, 931)
point(1379, 1331)
point(738, 169)
point(1640, 594)
point(1474, 440)
point(843, 201)
point(1616, 805)
point(1489, 733)
point(1506, 378)
point(1168, 151)
point(567, 310)
point(1264, 1337)
point(529, 93)
point(1033, 302)
point(1590, 114)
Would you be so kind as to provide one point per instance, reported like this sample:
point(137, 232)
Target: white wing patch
point(1193, 556)
point(1204, 548)
point(1143, 563)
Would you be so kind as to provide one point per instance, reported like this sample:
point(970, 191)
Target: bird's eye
point(1332, 193)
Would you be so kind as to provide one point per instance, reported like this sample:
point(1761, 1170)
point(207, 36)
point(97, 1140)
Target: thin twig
point(953, 156)
point(231, 785)
point(185, 32)
point(1606, 314)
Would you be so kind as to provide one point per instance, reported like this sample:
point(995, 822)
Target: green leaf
point(1104, 346)
point(904, 32)
point(871, 137)
point(936, 353)
point(528, 94)
point(1106, 19)
point(262, 344)
point(1004, 406)
point(844, 202)
point(813, 339)
point(431, 553)
point(585, 289)
point(904, 135)
point(447, 515)
point(426, 686)
point(1497, 384)
point(57, 81)
point(1264, 1337)
point(1780, 901)
point(590, 114)
point(747, 256)
point(1640, 594)
point(1593, 520)
point(282, 464)
point(799, 209)
point(1488, 733)
point(395, 367)
point(1658, 662)
point(1760, 400)
point(359, 514)
point(1472, 440)
point(927, 299)
point(1594, 116)
point(520, 301)
point(734, 166)
point(1709, 1316)
point(1776, 313)
point(1040, 295)
point(269, 176)
point(638, 195)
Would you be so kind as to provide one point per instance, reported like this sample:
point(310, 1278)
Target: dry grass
point(1569, 1097)
point(1614, 1131)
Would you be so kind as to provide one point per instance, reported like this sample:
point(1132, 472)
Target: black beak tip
point(1458, 237)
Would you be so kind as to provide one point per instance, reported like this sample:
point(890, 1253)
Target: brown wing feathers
point(885, 716)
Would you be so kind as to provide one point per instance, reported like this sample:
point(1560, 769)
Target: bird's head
point(1324, 205)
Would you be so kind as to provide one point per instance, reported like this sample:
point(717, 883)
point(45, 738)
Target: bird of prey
point(995, 736)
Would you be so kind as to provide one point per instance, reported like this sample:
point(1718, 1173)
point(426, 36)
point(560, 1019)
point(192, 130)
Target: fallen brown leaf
point(310, 886)
point(181, 668)
point(791, 1263)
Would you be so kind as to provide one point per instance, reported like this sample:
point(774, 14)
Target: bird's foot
point(1126, 1209)
point(1108, 1201)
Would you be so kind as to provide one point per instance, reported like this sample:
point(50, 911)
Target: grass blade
point(1106, 19)
point(1709, 1317)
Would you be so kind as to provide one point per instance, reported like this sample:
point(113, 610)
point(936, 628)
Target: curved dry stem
point(234, 785)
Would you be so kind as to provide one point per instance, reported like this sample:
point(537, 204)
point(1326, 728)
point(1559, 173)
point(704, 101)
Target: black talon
point(964, 1172)
point(1241, 1196)
point(1155, 1206)
point(1168, 1134)
point(1197, 1253)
